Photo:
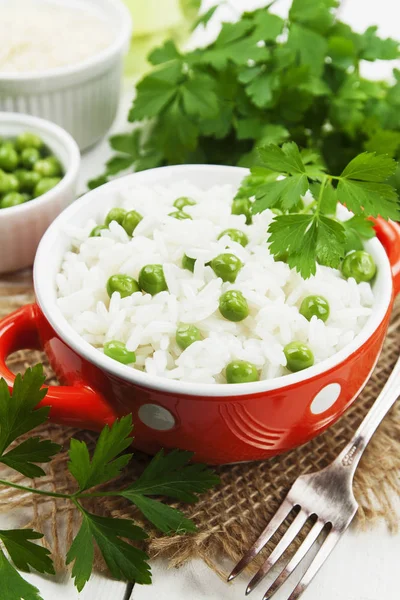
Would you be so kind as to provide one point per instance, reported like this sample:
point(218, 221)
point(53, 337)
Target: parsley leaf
point(18, 411)
point(124, 561)
point(12, 585)
point(370, 167)
point(104, 464)
point(315, 14)
point(171, 475)
point(156, 90)
point(167, 519)
point(199, 97)
point(24, 553)
point(168, 51)
point(375, 48)
point(33, 450)
point(357, 229)
point(285, 193)
point(206, 17)
point(362, 189)
point(283, 160)
point(306, 238)
point(310, 47)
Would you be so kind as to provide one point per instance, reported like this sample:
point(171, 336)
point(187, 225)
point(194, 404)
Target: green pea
point(233, 306)
point(152, 280)
point(28, 140)
point(242, 206)
point(124, 284)
point(183, 201)
point(187, 335)
point(180, 215)
point(45, 185)
point(118, 351)
point(359, 265)
point(28, 180)
point(8, 183)
point(236, 236)
point(298, 356)
point(226, 266)
point(188, 263)
point(96, 230)
point(315, 306)
point(29, 157)
point(12, 199)
point(115, 214)
point(8, 157)
point(277, 211)
point(48, 167)
point(130, 221)
point(241, 371)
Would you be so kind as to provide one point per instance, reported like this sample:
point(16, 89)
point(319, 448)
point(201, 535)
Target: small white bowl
point(22, 226)
point(82, 98)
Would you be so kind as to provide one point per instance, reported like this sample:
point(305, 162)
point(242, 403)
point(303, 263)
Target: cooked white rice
point(147, 325)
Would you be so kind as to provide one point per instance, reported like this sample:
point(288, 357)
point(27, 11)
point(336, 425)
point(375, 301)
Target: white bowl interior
point(55, 243)
point(113, 13)
point(59, 142)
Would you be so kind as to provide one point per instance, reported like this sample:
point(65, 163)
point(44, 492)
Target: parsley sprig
point(311, 234)
point(264, 80)
point(168, 475)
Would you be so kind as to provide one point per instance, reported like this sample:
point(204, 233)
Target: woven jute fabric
point(230, 517)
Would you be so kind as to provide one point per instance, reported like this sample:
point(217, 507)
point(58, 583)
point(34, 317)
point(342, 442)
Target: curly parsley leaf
point(24, 554)
point(105, 463)
point(33, 450)
point(12, 585)
point(19, 412)
point(124, 561)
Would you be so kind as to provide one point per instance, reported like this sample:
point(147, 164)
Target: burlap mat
point(231, 516)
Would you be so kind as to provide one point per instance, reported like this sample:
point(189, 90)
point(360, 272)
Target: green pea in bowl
point(39, 166)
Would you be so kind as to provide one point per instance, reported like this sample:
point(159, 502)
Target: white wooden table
point(365, 565)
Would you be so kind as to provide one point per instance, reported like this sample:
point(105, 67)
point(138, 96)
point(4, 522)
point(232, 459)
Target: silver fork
point(327, 497)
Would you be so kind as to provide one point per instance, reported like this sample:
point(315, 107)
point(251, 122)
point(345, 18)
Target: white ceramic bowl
point(83, 98)
point(22, 226)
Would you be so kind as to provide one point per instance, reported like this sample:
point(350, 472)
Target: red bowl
point(220, 423)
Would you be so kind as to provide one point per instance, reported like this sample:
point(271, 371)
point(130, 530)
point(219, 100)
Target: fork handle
point(351, 454)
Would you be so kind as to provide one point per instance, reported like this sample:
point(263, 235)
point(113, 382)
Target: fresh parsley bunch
point(166, 475)
point(264, 80)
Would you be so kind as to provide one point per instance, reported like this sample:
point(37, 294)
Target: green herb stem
point(321, 194)
point(33, 490)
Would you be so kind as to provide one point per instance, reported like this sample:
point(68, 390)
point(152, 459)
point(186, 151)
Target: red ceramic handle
point(75, 405)
point(388, 233)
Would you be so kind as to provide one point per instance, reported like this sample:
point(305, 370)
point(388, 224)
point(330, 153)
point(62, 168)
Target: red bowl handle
point(388, 233)
point(76, 405)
